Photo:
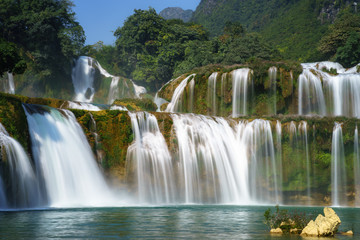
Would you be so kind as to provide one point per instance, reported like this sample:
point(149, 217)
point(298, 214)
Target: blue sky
point(100, 18)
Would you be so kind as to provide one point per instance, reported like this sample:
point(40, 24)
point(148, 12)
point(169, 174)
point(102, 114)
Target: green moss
point(133, 104)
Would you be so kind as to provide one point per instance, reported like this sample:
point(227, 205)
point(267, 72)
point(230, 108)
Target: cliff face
point(176, 13)
point(294, 26)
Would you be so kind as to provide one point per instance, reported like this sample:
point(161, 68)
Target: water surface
point(175, 222)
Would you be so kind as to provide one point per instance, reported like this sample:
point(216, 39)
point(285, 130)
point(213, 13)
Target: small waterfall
point(303, 131)
point(311, 96)
point(356, 168)
point(176, 101)
point(24, 189)
point(83, 106)
point(83, 79)
point(223, 93)
point(241, 80)
point(159, 101)
point(272, 78)
point(64, 160)
point(138, 90)
point(338, 171)
point(191, 95)
point(211, 94)
point(212, 162)
point(329, 94)
point(264, 172)
point(148, 161)
point(278, 155)
point(3, 200)
point(11, 86)
point(114, 90)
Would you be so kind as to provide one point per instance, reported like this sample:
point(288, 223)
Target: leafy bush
point(285, 220)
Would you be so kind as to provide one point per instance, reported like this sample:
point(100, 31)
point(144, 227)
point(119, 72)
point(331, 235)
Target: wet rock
point(276, 231)
point(348, 233)
point(323, 225)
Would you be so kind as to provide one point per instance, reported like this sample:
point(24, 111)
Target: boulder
point(348, 233)
point(323, 225)
point(276, 231)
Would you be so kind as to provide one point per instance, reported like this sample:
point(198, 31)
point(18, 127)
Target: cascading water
point(356, 168)
point(83, 106)
point(272, 78)
point(212, 161)
point(329, 94)
point(303, 131)
point(83, 79)
point(311, 96)
point(11, 87)
point(191, 95)
point(64, 160)
point(338, 170)
point(263, 167)
point(176, 101)
point(241, 81)
point(148, 161)
point(24, 190)
point(211, 94)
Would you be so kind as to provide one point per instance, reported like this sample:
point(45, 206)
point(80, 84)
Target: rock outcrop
point(323, 225)
point(276, 231)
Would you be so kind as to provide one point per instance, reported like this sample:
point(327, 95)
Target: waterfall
point(241, 80)
point(148, 161)
point(159, 101)
point(176, 101)
point(64, 160)
point(211, 94)
point(212, 161)
point(356, 168)
point(24, 189)
point(303, 131)
point(191, 95)
point(264, 170)
point(311, 96)
point(83, 106)
point(272, 78)
point(278, 156)
point(11, 87)
point(338, 171)
point(329, 94)
point(114, 90)
point(3, 200)
point(83, 79)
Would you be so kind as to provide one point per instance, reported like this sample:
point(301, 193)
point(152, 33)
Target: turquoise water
point(180, 222)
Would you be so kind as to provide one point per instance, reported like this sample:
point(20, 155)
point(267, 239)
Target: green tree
point(10, 59)
point(338, 33)
point(349, 54)
point(46, 30)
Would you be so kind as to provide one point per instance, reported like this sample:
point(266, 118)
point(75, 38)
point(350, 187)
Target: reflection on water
point(187, 222)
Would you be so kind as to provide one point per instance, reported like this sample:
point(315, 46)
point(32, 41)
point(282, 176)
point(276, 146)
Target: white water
point(338, 171)
point(210, 160)
point(148, 161)
point(11, 87)
point(25, 190)
point(303, 131)
point(83, 106)
point(211, 94)
point(159, 101)
point(176, 101)
point(356, 168)
point(64, 160)
point(272, 77)
point(83, 79)
point(241, 81)
point(329, 95)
